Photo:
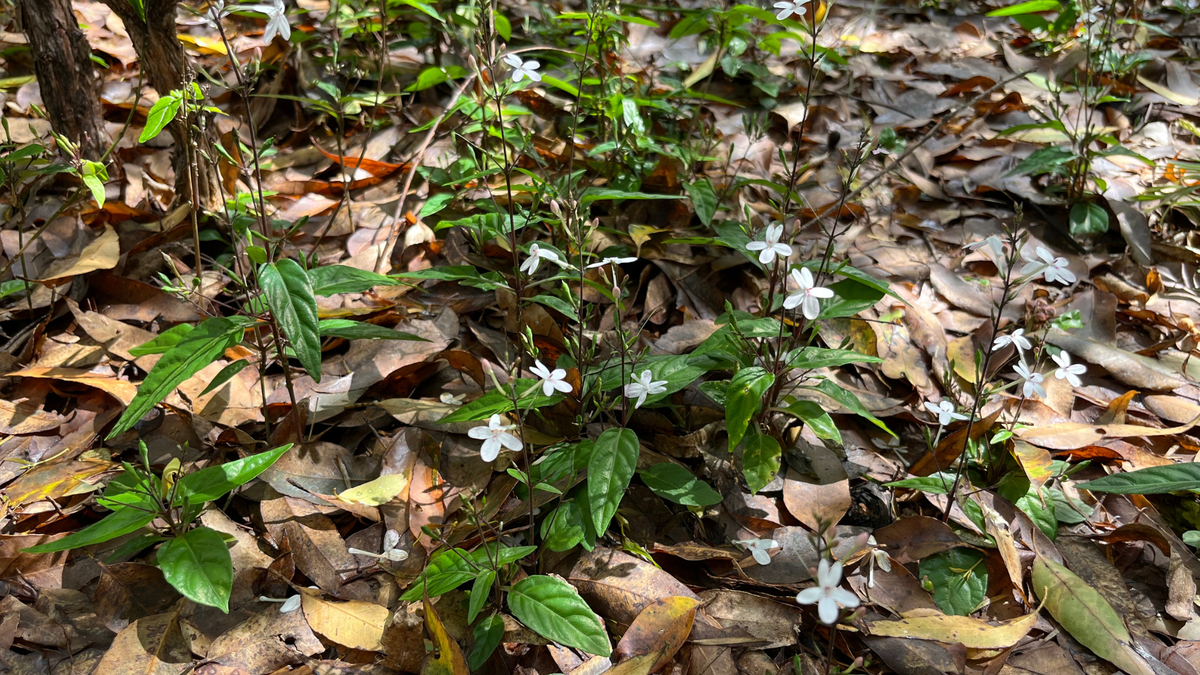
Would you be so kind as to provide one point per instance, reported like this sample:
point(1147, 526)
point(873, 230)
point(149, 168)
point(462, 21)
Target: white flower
point(1056, 269)
point(826, 595)
point(494, 435)
point(1033, 381)
point(214, 13)
point(523, 69)
point(945, 411)
point(1017, 339)
point(807, 294)
point(758, 548)
point(1090, 15)
point(611, 261)
point(277, 22)
point(770, 245)
point(451, 399)
point(390, 539)
point(289, 605)
point(879, 558)
point(551, 380)
point(787, 9)
point(536, 255)
point(643, 386)
point(995, 249)
point(1068, 371)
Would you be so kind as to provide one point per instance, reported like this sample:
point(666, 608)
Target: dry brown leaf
point(153, 645)
point(971, 633)
point(101, 254)
point(816, 505)
point(119, 389)
point(1073, 435)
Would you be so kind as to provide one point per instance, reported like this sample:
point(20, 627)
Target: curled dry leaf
point(1073, 435)
point(971, 633)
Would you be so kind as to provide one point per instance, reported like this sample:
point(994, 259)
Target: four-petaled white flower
point(807, 294)
point(827, 595)
point(536, 255)
point(1067, 370)
point(770, 245)
point(945, 411)
point(552, 380)
point(1017, 339)
point(1033, 381)
point(277, 22)
point(391, 539)
point(642, 386)
point(995, 249)
point(611, 261)
point(1056, 269)
point(787, 9)
point(759, 548)
point(494, 436)
point(523, 69)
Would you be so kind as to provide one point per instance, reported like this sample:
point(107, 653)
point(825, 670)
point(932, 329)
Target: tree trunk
point(65, 73)
point(161, 58)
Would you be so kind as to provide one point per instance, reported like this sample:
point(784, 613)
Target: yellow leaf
point(204, 45)
point(450, 660)
point(377, 492)
point(354, 624)
point(971, 633)
point(1168, 94)
point(641, 234)
point(1036, 462)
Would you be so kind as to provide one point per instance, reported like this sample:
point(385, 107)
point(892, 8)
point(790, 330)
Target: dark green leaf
point(357, 330)
point(959, 578)
point(445, 572)
point(817, 419)
point(333, 279)
point(289, 294)
point(849, 401)
point(935, 484)
point(704, 199)
point(851, 297)
point(1154, 480)
point(213, 482)
point(196, 350)
point(675, 483)
point(487, 638)
point(1088, 218)
point(464, 274)
point(676, 371)
point(199, 566)
point(742, 400)
point(553, 609)
point(562, 530)
point(480, 591)
point(1030, 7)
point(497, 402)
point(609, 472)
point(226, 375)
point(114, 525)
point(761, 456)
point(163, 341)
point(161, 114)
point(817, 357)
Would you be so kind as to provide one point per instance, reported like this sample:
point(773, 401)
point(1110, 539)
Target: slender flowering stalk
point(286, 604)
point(391, 539)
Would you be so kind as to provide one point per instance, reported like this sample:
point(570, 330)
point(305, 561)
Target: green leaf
point(333, 279)
point(429, 77)
point(850, 298)
point(480, 591)
point(609, 472)
point(226, 375)
point(445, 572)
point(553, 609)
point(1043, 160)
point(199, 566)
point(704, 199)
point(503, 27)
point(595, 194)
point(116, 524)
point(935, 484)
point(435, 204)
point(1088, 218)
point(427, 9)
point(1031, 7)
point(1154, 480)
point(487, 638)
point(96, 186)
point(742, 399)
point(463, 274)
point(1191, 537)
point(849, 401)
point(196, 350)
point(289, 294)
point(164, 341)
point(676, 484)
point(357, 330)
point(212, 482)
point(817, 419)
point(817, 357)
point(676, 371)
point(161, 114)
point(761, 457)
point(562, 530)
point(1084, 613)
point(497, 402)
point(959, 578)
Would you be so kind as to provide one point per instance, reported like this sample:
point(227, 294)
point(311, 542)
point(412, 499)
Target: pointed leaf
point(742, 399)
point(214, 482)
point(199, 566)
point(289, 294)
point(609, 472)
point(552, 608)
point(760, 460)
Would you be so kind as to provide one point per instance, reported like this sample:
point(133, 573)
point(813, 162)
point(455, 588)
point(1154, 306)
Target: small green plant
point(195, 560)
